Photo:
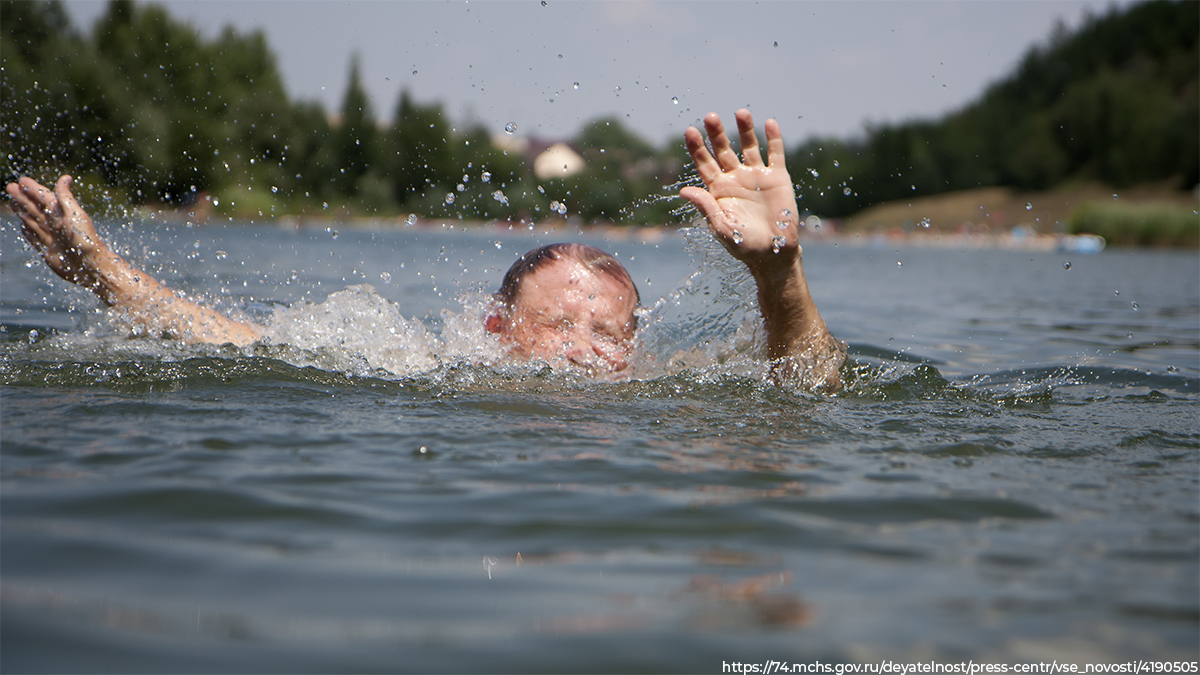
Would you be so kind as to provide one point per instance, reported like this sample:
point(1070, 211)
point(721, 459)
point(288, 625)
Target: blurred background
point(902, 118)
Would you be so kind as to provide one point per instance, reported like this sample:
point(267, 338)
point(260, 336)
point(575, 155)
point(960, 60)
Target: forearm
point(155, 308)
point(799, 344)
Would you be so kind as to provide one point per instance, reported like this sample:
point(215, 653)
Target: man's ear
point(493, 324)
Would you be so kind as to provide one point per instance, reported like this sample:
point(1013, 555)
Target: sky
point(820, 67)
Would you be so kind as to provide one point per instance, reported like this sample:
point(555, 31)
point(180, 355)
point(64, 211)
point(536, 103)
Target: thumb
point(702, 200)
point(66, 200)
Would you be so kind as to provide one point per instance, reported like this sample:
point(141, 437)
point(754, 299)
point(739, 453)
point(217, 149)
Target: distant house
point(558, 161)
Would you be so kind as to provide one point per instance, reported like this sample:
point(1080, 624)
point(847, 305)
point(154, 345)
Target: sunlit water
point(1011, 474)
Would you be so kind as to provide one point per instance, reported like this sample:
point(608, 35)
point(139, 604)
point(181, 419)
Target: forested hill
point(1116, 101)
point(147, 110)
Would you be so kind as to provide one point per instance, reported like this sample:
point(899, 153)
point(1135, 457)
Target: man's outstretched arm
point(751, 209)
point(58, 227)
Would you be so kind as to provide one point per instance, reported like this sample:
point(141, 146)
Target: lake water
point(1012, 474)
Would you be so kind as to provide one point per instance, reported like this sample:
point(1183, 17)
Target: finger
point(718, 222)
point(722, 149)
point(22, 205)
point(42, 199)
point(706, 166)
point(748, 139)
point(775, 151)
point(66, 200)
point(704, 202)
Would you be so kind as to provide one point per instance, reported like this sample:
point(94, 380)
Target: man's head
point(568, 301)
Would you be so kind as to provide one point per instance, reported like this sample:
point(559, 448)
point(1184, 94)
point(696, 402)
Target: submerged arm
point(58, 227)
point(751, 209)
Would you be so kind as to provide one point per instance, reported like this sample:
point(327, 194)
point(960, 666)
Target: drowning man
point(563, 302)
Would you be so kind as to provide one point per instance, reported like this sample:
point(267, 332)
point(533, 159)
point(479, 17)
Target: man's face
point(566, 311)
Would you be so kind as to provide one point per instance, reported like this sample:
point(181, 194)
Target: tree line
point(153, 112)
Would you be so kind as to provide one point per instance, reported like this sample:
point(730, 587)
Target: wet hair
point(590, 257)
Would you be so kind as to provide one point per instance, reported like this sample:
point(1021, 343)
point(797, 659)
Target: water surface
point(1011, 475)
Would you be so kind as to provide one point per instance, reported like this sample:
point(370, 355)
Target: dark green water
point(1011, 476)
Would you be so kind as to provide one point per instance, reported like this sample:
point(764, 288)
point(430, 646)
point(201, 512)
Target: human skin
point(751, 209)
point(63, 233)
point(565, 310)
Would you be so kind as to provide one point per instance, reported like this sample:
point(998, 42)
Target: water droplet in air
point(777, 243)
point(813, 221)
point(498, 246)
point(1067, 265)
point(221, 255)
point(1116, 292)
point(334, 234)
point(560, 56)
point(274, 189)
point(814, 173)
point(576, 85)
point(449, 199)
point(510, 128)
point(562, 208)
point(410, 220)
point(1116, 196)
point(737, 237)
point(925, 223)
point(461, 187)
point(485, 177)
point(899, 264)
point(1134, 305)
point(387, 278)
point(836, 164)
point(777, 43)
point(499, 196)
point(1129, 336)
point(1028, 206)
point(675, 100)
point(846, 191)
point(414, 72)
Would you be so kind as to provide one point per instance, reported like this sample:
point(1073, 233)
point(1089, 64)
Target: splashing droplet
point(1067, 265)
point(737, 237)
point(510, 128)
point(777, 243)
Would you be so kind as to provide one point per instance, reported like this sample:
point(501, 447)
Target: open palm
point(750, 206)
